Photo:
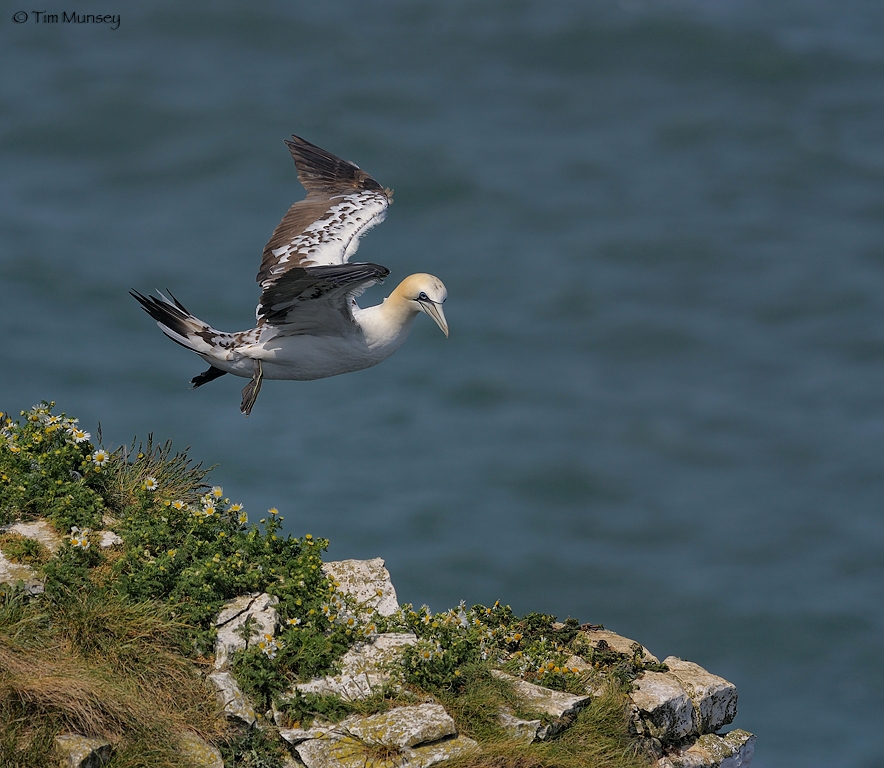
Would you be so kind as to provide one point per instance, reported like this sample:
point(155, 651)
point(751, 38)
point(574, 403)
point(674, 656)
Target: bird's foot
point(207, 376)
point(250, 391)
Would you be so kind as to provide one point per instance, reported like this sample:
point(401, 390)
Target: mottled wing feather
point(314, 300)
point(343, 202)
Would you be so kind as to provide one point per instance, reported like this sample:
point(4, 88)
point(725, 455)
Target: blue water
point(661, 224)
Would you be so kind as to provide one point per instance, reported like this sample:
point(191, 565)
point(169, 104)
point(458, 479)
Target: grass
point(95, 665)
point(20, 549)
point(598, 737)
point(119, 643)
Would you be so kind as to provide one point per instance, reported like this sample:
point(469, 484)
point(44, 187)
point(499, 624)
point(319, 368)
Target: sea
point(661, 227)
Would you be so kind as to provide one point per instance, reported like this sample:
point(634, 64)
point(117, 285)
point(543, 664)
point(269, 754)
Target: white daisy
point(78, 538)
point(79, 435)
point(269, 646)
point(150, 484)
point(100, 457)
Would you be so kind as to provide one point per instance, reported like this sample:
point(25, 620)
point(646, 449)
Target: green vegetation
point(20, 549)
point(119, 642)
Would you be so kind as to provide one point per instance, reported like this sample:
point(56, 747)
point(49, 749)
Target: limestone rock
point(236, 705)
point(108, 539)
point(295, 736)
point(365, 668)
point(368, 582)
point(525, 731)
point(257, 606)
point(82, 751)
point(348, 752)
point(41, 530)
point(575, 662)
point(663, 709)
point(714, 698)
point(12, 573)
point(556, 704)
point(413, 736)
point(438, 752)
point(604, 638)
point(731, 750)
point(403, 726)
point(199, 752)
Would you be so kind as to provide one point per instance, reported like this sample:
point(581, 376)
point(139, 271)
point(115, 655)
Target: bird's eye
point(423, 297)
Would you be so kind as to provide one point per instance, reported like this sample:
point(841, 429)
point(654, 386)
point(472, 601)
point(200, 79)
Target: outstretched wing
point(314, 300)
point(343, 202)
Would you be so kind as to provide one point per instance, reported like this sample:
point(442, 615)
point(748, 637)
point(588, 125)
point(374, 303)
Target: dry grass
point(99, 667)
point(597, 738)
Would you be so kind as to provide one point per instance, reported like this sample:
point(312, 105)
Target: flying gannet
point(309, 325)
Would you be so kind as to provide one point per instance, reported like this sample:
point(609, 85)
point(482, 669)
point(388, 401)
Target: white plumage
point(309, 324)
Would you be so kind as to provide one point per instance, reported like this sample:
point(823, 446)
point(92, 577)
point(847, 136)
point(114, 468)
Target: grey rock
point(12, 573)
point(199, 752)
point(108, 539)
point(365, 668)
point(366, 581)
point(418, 736)
point(438, 752)
point(259, 607)
point(525, 731)
point(348, 752)
point(236, 706)
point(82, 751)
point(402, 726)
point(663, 709)
point(40, 530)
point(618, 643)
point(297, 735)
point(555, 704)
point(713, 697)
point(730, 750)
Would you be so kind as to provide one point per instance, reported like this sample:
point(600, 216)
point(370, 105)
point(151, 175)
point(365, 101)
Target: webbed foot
point(251, 390)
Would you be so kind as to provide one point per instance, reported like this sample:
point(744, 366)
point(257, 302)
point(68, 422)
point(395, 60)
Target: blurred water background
point(661, 225)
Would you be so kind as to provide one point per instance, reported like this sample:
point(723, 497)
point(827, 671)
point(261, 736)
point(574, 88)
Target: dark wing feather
point(315, 300)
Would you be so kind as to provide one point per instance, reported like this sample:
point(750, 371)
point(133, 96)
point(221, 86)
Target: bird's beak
point(434, 310)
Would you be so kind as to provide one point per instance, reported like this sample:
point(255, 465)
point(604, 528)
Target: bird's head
point(427, 294)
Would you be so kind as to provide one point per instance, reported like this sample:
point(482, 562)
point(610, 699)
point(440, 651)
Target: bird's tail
point(181, 326)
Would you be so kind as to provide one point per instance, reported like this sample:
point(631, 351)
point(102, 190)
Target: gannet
point(309, 325)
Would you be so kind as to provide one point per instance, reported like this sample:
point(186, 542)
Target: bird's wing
point(343, 202)
point(314, 300)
